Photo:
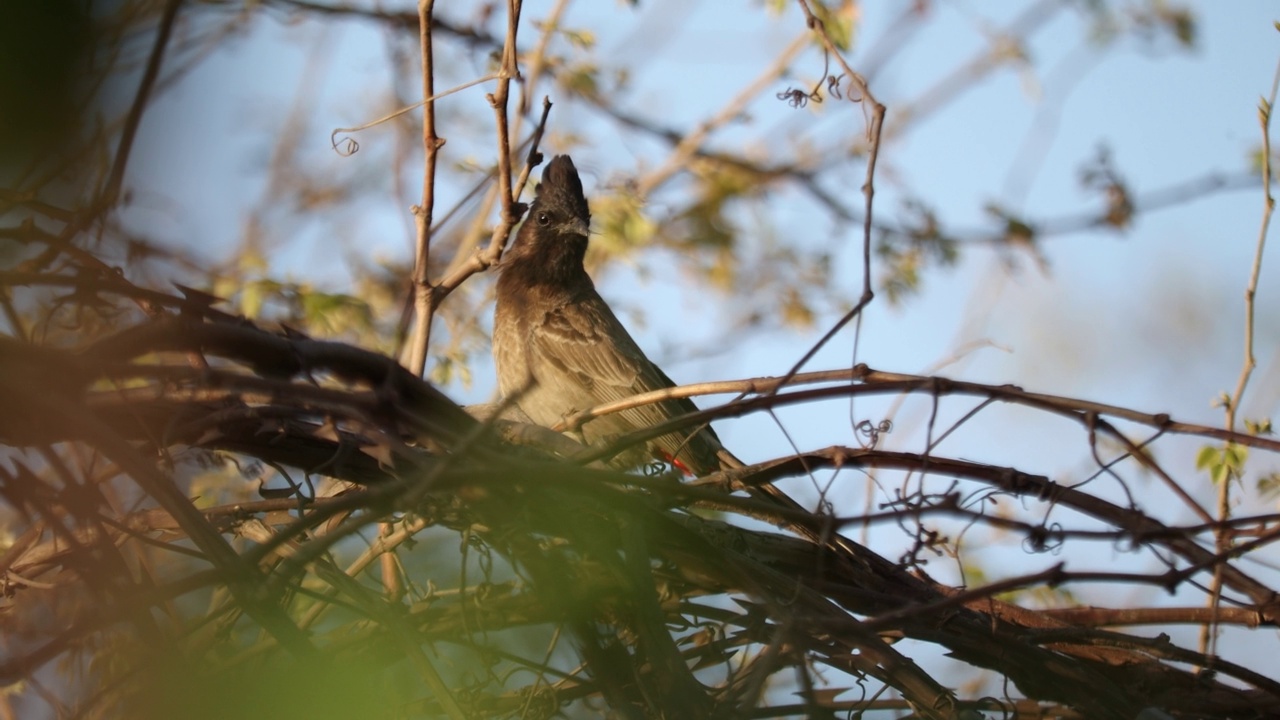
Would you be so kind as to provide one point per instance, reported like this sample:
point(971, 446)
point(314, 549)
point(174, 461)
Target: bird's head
point(552, 242)
point(560, 207)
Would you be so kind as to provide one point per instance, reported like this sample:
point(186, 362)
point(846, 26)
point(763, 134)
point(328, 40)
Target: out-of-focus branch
point(111, 191)
point(692, 142)
point(1005, 47)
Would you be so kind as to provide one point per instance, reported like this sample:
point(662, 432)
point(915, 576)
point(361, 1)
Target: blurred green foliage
point(43, 46)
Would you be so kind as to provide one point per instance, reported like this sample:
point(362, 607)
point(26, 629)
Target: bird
point(559, 348)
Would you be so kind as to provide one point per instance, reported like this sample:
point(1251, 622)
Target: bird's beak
point(577, 226)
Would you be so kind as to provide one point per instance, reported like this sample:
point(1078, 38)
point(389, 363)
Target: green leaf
point(252, 298)
point(1222, 463)
point(1258, 427)
point(1269, 486)
point(1235, 456)
point(795, 311)
point(335, 313)
point(840, 23)
point(582, 80)
point(584, 39)
point(1207, 457)
point(623, 223)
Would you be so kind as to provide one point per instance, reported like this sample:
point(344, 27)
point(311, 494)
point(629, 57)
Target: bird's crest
point(561, 187)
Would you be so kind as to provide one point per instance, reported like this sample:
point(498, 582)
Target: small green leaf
point(623, 223)
point(584, 39)
point(1269, 485)
point(1234, 456)
point(251, 300)
point(1207, 457)
point(1222, 463)
point(582, 80)
point(1258, 427)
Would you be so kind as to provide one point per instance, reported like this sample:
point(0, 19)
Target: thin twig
point(874, 125)
point(481, 260)
point(498, 100)
point(537, 63)
point(427, 297)
point(1208, 633)
point(431, 144)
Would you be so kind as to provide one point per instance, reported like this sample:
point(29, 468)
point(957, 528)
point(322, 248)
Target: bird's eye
point(544, 219)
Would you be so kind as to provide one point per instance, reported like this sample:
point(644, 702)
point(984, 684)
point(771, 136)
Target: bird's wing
point(585, 340)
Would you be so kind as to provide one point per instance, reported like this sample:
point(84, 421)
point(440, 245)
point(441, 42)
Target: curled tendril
point(833, 86)
point(1044, 539)
point(869, 435)
point(346, 146)
point(795, 97)
point(854, 711)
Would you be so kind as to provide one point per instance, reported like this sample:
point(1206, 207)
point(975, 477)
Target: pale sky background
point(1151, 319)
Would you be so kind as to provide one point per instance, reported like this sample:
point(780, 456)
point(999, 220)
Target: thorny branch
point(323, 421)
